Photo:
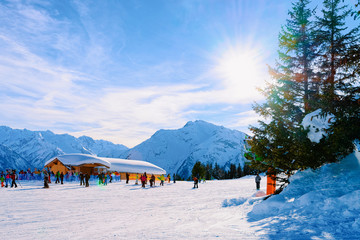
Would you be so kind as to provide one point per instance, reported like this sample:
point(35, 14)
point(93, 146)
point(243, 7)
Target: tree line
point(208, 172)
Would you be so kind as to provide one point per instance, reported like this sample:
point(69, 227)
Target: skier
point(13, 178)
point(257, 180)
point(2, 178)
point(127, 178)
point(105, 179)
point(46, 178)
point(49, 173)
point(57, 177)
point(143, 180)
point(162, 179)
point(169, 178)
point(100, 178)
point(137, 179)
point(152, 180)
point(7, 178)
point(82, 180)
point(62, 177)
point(196, 182)
point(87, 177)
point(174, 178)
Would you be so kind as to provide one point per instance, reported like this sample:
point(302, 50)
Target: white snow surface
point(317, 125)
point(320, 204)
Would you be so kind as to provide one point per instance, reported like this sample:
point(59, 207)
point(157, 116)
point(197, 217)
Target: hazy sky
point(120, 70)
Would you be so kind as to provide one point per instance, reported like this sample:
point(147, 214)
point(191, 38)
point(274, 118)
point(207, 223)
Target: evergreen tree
point(297, 54)
point(232, 171)
point(239, 172)
point(340, 67)
point(281, 144)
point(278, 145)
point(198, 170)
point(336, 40)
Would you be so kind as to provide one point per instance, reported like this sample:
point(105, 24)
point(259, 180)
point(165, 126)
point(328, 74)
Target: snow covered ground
point(321, 204)
point(119, 211)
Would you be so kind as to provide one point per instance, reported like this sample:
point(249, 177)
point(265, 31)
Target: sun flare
point(241, 69)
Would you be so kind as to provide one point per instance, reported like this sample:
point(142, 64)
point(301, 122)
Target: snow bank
point(317, 124)
point(322, 202)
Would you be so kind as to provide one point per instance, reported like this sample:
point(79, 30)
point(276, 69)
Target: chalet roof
point(114, 164)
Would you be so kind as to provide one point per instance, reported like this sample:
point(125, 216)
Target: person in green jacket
point(2, 179)
point(57, 177)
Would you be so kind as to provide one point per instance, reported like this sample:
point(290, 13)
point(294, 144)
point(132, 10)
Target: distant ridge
point(176, 151)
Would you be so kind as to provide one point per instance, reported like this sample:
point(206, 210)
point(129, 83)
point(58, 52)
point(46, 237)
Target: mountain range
point(176, 151)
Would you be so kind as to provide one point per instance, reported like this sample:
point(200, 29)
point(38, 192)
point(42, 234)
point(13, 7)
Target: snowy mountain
point(33, 148)
point(12, 160)
point(176, 151)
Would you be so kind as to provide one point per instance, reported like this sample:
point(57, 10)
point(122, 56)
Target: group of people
point(9, 176)
point(143, 179)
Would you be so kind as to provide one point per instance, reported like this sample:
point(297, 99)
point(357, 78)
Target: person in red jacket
point(13, 178)
point(143, 180)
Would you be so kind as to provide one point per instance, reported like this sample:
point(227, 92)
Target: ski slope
point(119, 211)
point(321, 204)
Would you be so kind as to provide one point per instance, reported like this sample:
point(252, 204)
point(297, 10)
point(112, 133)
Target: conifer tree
point(340, 67)
point(336, 40)
point(278, 144)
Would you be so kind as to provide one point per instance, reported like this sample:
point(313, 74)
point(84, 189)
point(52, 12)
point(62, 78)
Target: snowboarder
point(62, 177)
point(46, 179)
point(57, 177)
point(257, 180)
point(127, 178)
point(13, 178)
point(196, 182)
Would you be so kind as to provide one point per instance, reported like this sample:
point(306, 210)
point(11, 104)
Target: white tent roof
point(133, 166)
point(79, 159)
point(115, 164)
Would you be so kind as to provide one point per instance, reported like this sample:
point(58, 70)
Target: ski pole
point(19, 183)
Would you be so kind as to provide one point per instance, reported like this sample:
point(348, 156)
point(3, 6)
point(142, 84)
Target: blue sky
point(121, 70)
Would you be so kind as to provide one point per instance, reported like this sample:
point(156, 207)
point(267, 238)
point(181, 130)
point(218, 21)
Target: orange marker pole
point(271, 184)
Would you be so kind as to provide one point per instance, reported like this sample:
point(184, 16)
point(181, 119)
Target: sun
point(241, 69)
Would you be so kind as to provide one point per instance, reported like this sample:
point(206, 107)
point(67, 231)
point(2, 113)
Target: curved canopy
point(114, 164)
point(133, 166)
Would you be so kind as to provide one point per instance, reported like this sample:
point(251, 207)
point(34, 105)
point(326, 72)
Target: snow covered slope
point(320, 203)
point(176, 151)
point(12, 160)
point(39, 146)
